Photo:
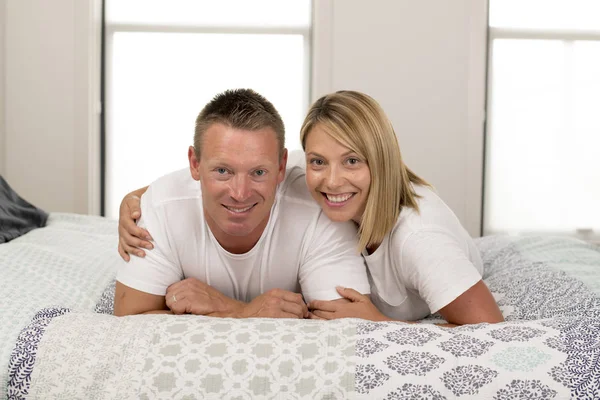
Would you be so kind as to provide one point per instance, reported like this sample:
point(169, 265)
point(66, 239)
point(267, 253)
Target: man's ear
point(194, 163)
point(282, 165)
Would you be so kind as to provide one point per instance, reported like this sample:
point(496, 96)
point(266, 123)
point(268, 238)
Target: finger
point(300, 310)
point(285, 295)
point(134, 241)
point(292, 297)
point(350, 294)
point(133, 229)
point(132, 250)
point(313, 316)
point(179, 286)
point(324, 314)
point(133, 204)
point(177, 302)
point(122, 253)
point(322, 305)
point(282, 314)
point(289, 315)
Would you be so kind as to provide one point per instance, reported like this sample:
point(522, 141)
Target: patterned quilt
point(68, 263)
point(549, 348)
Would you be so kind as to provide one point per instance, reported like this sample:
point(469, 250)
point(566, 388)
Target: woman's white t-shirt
point(425, 263)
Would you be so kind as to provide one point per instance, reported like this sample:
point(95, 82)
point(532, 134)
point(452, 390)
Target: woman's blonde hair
point(358, 122)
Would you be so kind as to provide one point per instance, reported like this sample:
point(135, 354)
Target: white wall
point(51, 96)
point(424, 61)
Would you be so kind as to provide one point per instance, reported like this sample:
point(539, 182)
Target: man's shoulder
point(293, 190)
point(173, 187)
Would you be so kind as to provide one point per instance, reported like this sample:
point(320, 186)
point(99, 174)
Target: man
point(246, 239)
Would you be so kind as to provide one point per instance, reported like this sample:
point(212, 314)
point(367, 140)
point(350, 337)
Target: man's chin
point(238, 229)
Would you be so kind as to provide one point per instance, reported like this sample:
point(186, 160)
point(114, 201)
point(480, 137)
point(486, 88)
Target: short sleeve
point(434, 264)
point(155, 272)
point(332, 259)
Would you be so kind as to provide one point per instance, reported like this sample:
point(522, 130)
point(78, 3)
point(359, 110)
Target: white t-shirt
point(299, 250)
point(425, 263)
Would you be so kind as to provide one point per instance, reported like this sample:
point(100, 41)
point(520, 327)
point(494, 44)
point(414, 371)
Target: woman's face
point(337, 178)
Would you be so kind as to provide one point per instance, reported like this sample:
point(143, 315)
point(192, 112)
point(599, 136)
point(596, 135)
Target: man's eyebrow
point(225, 164)
point(215, 163)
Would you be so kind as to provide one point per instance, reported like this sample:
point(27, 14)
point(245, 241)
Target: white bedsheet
point(68, 263)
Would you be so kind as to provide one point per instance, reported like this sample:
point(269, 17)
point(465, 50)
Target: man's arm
point(191, 296)
point(142, 283)
point(129, 301)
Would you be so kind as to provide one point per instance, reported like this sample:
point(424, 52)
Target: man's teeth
point(340, 198)
point(238, 210)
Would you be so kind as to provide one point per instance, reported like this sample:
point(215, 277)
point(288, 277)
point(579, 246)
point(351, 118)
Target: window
point(543, 124)
point(165, 60)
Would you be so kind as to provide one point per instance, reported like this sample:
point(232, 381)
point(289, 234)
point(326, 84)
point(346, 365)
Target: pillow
point(17, 216)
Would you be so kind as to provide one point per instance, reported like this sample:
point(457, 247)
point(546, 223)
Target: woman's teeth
point(339, 198)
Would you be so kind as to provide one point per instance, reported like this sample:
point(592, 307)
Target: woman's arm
point(131, 237)
point(446, 277)
point(474, 306)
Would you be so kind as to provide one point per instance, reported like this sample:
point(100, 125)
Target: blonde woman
point(420, 259)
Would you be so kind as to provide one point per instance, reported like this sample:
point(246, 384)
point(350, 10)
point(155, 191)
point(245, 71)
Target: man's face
point(238, 172)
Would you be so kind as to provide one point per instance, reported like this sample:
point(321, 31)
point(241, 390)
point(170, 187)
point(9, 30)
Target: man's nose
point(240, 188)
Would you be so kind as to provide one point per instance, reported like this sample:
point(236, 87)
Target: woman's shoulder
point(433, 214)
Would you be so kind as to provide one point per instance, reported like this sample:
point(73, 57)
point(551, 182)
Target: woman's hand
point(353, 305)
point(131, 237)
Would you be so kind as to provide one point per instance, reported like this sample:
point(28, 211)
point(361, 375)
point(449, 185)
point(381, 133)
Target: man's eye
point(221, 171)
point(260, 172)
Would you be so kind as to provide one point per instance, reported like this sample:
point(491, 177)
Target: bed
point(59, 340)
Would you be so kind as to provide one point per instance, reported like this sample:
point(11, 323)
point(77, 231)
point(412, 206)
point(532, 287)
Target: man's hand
point(191, 296)
point(353, 305)
point(276, 303)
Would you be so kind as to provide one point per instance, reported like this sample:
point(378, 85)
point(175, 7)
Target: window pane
point(525, 136)
point(584, 142)
point(228, 13)
point(545, 14)
point(158, 83)
point(543, 137)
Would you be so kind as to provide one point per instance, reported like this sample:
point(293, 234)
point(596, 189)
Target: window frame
point(110, 28)
point(568, 37)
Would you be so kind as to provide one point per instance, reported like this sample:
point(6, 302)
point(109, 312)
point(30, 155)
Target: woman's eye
point(353, 161)
point(317, 162)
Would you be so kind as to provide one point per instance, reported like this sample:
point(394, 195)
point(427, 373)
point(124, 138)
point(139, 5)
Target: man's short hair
point(239, 109)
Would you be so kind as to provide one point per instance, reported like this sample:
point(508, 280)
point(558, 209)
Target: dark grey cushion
point(17, 216)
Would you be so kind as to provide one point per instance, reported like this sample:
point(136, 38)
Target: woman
point(419, 257)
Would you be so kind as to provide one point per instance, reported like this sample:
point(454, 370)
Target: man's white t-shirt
point(299, 250)
point(425, 263)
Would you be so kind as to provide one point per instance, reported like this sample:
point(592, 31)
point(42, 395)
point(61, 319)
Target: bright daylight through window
point(165, 60)
point(543, 124)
